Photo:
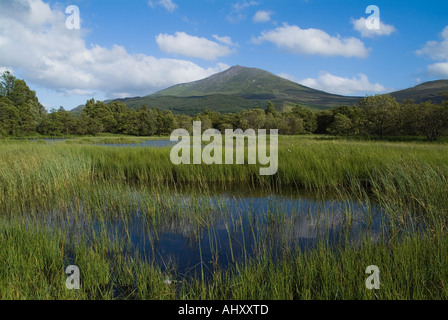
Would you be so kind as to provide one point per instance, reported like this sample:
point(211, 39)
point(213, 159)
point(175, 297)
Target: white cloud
point(226, 40)
point(313, 42)
point(360, 26)
point(439, 69)
point(262, 16)
point(78, 92)
point(437, 51)
point(327, 82)
point(191, 46)
point(35, 41)
point(169, 5)
point(4, 69)
point(237, 13)
point(289, 77)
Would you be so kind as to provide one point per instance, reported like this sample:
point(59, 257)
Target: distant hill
point(426, 91)
point(240, 88)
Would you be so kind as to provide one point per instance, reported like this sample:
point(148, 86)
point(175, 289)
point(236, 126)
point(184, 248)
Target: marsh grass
point(75, 203)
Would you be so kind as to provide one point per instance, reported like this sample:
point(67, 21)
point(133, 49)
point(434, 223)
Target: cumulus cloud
point(295, 40)
point(237, 13)
point(327, 82)
point(360, 26)
point(437, 51)
point(289, 77)
point(169, 5)
point(226, 40)
point(262, 16)
point(4, 69)
point(191, 46)
point(35, 41)
point(439, 69)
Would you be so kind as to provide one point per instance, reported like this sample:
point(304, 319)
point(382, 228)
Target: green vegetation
point(381, 116)
point(20, 110)
point(240, 88)
point(75, 202)
point(59, 201)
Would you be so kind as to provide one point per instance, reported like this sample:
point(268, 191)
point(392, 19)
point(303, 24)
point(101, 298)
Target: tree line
point(21, 114)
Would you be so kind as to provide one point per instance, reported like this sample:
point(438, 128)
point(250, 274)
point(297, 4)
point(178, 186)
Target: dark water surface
point(203, 232)
point(148, 143)
point(232, 226)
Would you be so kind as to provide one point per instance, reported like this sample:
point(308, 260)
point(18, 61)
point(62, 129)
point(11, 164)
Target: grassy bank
point(58, 202)
point(411, 268)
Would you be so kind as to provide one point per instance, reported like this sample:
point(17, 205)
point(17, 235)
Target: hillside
point(236, 89)
point(240, 88)
point(247, 87)
point(426, 91)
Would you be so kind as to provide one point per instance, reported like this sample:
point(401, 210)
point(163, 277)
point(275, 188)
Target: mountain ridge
point(239, 88)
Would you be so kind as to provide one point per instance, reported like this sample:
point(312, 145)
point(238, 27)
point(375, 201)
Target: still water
point(204, 232)
point(148, 143)
point(225, 228)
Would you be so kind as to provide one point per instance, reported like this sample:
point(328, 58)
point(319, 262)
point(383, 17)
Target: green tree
point(9, 117)
point(324, 119)
point(309, 118)
point(294, 124)
point(147, 121)
point(103, 114)
point(30, 111)
point(7, 82)
point(432, 120)
point(408, 118)
point(206, 122)
point(270, 109)
point(129, 122)
point(252, 119)
point(341, 126)
point(185, 122)
point(275, 121)
point(166, 122)
point(380, 114)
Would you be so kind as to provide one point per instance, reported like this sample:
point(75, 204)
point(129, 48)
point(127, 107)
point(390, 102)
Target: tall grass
point(74, 203)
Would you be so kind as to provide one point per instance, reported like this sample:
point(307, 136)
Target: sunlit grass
point(58, 202)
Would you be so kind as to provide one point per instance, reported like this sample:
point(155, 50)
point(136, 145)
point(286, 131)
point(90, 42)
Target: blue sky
point(137, 47)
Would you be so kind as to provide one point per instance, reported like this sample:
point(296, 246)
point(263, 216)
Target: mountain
point(236, 89)
point(240, 88)
point(252, 83)
point(426, 91)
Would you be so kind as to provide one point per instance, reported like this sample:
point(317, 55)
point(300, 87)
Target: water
point(192, 233)
point(208, 232)
point(148, 143)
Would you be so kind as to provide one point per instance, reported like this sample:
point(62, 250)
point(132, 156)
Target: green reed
point(59, 203)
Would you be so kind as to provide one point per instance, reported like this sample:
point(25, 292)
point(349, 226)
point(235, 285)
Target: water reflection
point(189, 231)
point(236, 227)
point(148, 143)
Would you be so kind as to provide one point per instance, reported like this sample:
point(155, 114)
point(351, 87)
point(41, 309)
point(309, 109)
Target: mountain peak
point(244, 87)
point(237, 80)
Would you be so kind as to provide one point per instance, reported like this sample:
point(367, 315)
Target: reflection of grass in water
point(89, 188)
point(36, 262)
point(112, 140)
point(411, 272)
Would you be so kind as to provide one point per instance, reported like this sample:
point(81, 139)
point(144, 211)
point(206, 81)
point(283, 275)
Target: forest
point(21, 114)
